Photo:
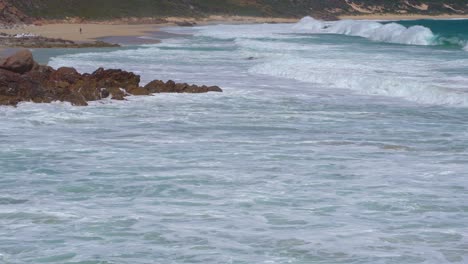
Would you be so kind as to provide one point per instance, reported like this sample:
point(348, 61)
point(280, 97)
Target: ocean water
point(334, 142)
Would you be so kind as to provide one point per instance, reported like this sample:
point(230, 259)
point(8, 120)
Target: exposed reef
point(24, 80)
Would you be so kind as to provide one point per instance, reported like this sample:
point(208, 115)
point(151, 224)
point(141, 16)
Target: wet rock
point(104, 93)
point(215, 88)
point(116, 78)
point(15, 88)
point(66, 74)
point(156, 86)
point(117, 94)
point(170, 86)
point(138, 91)
point(25, 80)
point(20, 62)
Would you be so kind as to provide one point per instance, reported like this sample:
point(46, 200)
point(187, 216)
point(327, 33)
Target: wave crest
point(344, 74)
point(391, 32)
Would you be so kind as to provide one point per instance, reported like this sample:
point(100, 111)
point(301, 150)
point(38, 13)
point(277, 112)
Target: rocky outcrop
point(26, 41)
point(158, 86)
point(22, 79)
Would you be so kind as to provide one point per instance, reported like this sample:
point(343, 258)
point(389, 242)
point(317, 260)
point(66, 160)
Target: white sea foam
point(236, 31)
point(378, 31)
point(466, 47)
point(341, 74)
point(166, 171)
point(391, 32)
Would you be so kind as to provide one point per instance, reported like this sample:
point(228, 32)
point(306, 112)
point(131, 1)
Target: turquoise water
point(447, 33)
point(452, 31)
point(324, 148)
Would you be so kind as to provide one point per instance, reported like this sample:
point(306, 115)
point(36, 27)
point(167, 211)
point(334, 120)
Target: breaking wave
point(375, 31)
point(386, 32)
point(364, 81)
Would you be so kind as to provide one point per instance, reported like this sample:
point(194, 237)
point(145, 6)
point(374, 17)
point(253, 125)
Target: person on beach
point(81, 30)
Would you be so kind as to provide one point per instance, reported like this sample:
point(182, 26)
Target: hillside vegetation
point(106, 9)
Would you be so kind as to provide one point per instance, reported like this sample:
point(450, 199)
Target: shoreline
point(90, 32)
point(93, 30)
point(127, 29)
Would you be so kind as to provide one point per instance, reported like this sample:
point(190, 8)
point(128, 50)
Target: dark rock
point(15, 88)
point(66, 74)
point(104, 93)
point(138, 91)
point(20, 62)
point(215, 89)
point(117, 94)
point(170, 86)
point(116, 79)
point(180, 87)
point(25, 80)
point(156, 86)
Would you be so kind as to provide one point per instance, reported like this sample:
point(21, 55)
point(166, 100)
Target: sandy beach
point(401, 16)
point(93, 30)
point(89, 31)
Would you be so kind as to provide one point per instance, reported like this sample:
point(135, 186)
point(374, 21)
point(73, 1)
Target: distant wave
point(386, 32)
point(466, 47)
point(391, 32)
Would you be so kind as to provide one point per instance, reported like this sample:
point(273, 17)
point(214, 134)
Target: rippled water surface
point(322, 149)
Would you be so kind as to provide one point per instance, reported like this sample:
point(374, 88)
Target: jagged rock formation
point(13, 11)
point(22, 79)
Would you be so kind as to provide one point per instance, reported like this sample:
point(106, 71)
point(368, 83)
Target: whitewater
point(390, 32)
point(333, 142)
